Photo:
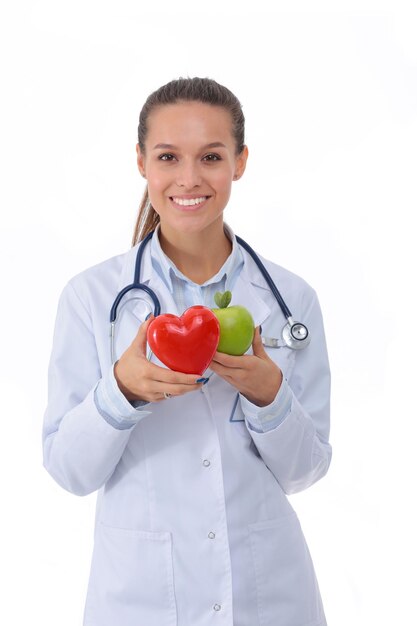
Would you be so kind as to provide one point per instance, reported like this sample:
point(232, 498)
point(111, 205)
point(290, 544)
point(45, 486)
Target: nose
point(188, 175)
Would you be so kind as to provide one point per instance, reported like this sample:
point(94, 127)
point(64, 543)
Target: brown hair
point(195, 89)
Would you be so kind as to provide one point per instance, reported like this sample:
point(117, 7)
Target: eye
point(166, 157)
point(212, 157)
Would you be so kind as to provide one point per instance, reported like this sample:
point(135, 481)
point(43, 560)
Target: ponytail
point(147, 219)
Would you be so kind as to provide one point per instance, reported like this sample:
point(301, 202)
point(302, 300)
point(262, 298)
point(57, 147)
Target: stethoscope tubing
point(290, 329)
point(135, 285)
point(266, 276)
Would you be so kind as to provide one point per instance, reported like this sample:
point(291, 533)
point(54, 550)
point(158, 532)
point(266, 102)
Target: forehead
point(185, 121)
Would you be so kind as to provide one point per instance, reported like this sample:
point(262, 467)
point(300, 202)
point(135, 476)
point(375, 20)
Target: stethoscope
point(295, 335)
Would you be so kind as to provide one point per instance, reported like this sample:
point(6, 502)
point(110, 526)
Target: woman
point(193, 525)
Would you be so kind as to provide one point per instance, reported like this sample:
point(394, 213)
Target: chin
point(192, 223)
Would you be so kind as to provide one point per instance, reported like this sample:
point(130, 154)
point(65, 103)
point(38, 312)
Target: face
point(190, 162)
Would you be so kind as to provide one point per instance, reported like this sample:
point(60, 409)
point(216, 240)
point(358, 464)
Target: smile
point(189, 201)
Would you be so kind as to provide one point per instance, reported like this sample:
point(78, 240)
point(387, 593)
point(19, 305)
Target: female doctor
point(193, 525)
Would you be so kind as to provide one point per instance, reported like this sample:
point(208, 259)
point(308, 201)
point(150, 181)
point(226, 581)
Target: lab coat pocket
point(131, 580)
point(286, 586)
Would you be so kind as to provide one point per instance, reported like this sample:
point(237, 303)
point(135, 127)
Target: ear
point(140, 157)
point(240, 164)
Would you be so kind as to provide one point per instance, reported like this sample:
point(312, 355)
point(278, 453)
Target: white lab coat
point(193, 526)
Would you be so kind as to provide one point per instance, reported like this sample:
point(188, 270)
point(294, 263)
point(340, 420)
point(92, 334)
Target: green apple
point(236, 325)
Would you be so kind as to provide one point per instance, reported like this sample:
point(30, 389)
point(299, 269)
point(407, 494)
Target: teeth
point(189, 201)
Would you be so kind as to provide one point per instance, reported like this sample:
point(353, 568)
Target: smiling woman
point(183, 106)
point(189, 184)
point(193, 469)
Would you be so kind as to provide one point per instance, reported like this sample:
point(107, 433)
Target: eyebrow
point(168, 146)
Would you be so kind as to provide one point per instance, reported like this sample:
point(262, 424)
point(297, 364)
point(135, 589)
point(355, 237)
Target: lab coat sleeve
point(81, 445)
point(262, 419)
point(113, 406)
point(297, 450)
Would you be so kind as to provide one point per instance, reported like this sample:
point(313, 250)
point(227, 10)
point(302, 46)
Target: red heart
point(185, 344)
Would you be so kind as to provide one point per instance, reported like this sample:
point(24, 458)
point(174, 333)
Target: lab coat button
point(217, 607)
point(211, 535)
point(206, 463)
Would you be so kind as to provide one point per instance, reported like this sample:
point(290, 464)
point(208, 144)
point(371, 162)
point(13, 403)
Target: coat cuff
point(114, 407)
point(265, 418)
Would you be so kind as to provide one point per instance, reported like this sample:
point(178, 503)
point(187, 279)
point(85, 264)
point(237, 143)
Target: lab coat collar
point(149, 277)
point(245, 291)
point(167, 269)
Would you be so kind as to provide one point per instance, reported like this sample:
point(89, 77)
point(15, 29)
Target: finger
point(175, 389)
point(139, 341)
point(163, 374)
point(257, 345)
point(228, 360)
point(223, 370)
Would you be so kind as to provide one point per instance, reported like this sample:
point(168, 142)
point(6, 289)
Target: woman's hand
point(255, 376)
point(138, 379)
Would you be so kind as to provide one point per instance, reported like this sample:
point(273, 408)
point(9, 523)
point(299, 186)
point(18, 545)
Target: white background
point(329, 90)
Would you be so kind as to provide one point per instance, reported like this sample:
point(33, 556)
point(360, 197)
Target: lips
point(188, 202)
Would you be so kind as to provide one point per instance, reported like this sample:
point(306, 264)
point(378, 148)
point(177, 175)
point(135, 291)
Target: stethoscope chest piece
point(295, 335)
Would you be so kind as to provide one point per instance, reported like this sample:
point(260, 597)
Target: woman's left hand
point(255, 376)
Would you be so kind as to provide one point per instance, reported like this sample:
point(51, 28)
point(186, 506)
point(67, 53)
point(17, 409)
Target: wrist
point(125, 390)
point(269, 396)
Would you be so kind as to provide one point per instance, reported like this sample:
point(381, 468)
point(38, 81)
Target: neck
point(199, 256)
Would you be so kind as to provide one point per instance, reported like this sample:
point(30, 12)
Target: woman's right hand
point(138, 379)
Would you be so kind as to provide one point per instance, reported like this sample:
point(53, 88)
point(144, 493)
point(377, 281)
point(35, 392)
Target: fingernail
point(148, 316)
point(202, 380)
point(260, 330)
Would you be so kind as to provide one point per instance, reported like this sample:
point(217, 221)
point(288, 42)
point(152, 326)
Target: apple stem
point(223, 299)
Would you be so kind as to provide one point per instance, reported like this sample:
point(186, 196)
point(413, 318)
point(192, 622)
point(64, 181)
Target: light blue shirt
point(185, 292)
point(121, 413)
